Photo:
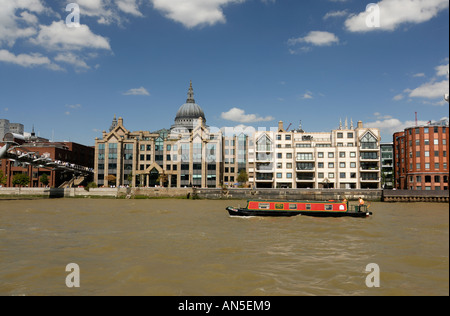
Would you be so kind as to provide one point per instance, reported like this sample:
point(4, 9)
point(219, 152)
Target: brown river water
point(194, 248)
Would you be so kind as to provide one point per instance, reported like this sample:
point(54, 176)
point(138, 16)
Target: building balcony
point(370, 158)
point(264, 179)
point(264, 157)
point(306, 169)
point(264, 167)
point(371, 169)
point(305, 177)
point(370, 179)
point(370, 147)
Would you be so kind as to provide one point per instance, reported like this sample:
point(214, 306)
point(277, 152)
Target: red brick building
point(62, 151)
point(421, 157)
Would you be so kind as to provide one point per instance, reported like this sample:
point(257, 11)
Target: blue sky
point(252, 62)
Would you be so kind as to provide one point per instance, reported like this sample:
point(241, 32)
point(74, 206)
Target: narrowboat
point(305, 208)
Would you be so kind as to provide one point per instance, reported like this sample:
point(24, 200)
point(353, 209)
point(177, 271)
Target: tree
point(44, 179)
point(242, 177)
point(91, 185)
point(3, 178)
point(21, 179)
point(111, 179)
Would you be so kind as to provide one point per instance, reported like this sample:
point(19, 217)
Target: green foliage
point(242, 177)
point(91, 185)
point(44, 179)
point(21, 179)
point(3, 178)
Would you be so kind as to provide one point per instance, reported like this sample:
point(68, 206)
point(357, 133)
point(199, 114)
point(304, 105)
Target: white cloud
point(17, 19)
point(433, 89)
point(108, 11)
point(394, 13)
point(430, 90)
point(398, 97)
point(72, 59)
point(239, 115)
point(27, 60)
point(137, 91)
point(418, 75)
point(316, 38)
point(129, 6)
point(194, 12)
point(392, 125)
point(307, 95)
point(58, 36)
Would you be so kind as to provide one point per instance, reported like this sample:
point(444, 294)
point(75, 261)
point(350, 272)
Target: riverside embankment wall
point(244, 194)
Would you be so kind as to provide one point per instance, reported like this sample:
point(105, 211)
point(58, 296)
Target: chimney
point(280, 126)
point(360, 124)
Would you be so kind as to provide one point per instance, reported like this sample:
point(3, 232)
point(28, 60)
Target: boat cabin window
point(293, 207)
point(328, 207)
point(264, 206)
point(308, 207)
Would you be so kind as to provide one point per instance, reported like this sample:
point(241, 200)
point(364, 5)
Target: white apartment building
point(345, 158)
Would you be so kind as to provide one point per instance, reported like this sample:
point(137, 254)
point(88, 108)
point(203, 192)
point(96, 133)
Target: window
point(264, 206)
point(349, 135)
point(293, 207)
point(353, 154)
point(289, 175)
point(279, 175)
point(320, 155)
point(289, 155)
point(328, 207)
point(331, 165)
point(368, 141)
point(342, 175)
point(305, 156)
point(264, 144)
point(340, 135)
point(331, 175)
point(330, 155)
point(308, 207)
point(288, 137)
point(353, 165)
point(342, 165)
point(342, 154)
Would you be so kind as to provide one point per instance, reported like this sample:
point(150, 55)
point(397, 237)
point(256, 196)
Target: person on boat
point(361, 204)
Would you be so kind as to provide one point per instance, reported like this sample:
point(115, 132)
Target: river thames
point(194, 248)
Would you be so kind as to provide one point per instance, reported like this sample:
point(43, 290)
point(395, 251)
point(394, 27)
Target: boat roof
point(296, 201)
